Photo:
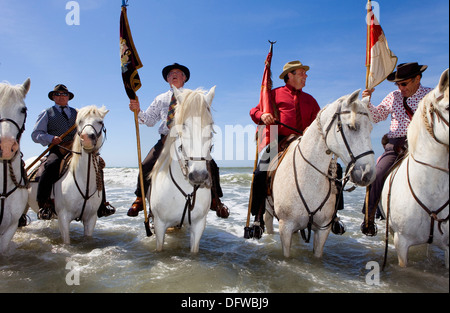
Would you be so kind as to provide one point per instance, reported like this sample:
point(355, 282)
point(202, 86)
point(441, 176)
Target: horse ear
point(210, 96)
point(353, 97)
point(104, 111)
point(26, 86)
point(443, 84)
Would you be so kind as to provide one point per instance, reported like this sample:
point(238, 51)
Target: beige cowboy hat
point(292, 66)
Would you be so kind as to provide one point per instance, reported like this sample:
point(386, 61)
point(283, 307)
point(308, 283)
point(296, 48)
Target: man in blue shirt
point(51, 124)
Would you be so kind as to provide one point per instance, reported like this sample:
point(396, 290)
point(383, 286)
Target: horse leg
point(320, 237)
point(446, 256)
point(7, 236)
point(268, 221)
point(89, 226)
point(160, 233)
point(402, 248)
point(286, 237)
point(196, 233)
point(64, 226)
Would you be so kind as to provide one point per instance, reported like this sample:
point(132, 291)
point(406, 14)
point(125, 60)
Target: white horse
point(13, 113)
point(78, 194)
point(302, 186)
point(415, 195)
point(181, 183)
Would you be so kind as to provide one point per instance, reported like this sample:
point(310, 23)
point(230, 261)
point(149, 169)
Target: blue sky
point(224, 43)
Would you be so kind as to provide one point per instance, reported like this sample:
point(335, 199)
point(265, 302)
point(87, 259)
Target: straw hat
point(292, 66)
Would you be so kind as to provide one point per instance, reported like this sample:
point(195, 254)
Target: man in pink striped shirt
point(401, 105)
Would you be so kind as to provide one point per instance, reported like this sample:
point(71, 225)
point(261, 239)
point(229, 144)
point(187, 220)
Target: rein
point(190, 199)
point(96, 162)
point(345, 179)
point(5, 194)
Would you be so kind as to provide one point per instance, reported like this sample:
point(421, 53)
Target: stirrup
point(370, 230)
point(337, 226)
point(106, 209)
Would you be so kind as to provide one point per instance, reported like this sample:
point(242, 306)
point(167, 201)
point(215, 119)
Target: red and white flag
point(380, 60)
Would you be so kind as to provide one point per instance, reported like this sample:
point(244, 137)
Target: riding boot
point(47, 209)
point(136, 207)
point(105, 209)
point(368, 226)
point(216, 192)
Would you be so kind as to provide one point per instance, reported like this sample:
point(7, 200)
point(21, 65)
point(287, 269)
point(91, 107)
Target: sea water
point(121, 258)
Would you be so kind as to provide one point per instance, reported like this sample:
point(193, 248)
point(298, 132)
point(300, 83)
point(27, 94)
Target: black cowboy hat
point(182, 68)
point(62, 88)
point(406, 71)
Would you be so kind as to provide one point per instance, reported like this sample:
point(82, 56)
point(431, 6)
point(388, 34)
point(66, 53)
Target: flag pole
point(369, 8)
point(132, 84)
point(141, 177)
point(249, 231)
point(368, 21)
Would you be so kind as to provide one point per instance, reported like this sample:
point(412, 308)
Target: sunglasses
point(404, 84)
point(61, 94)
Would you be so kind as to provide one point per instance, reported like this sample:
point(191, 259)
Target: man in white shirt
point(400, 105)
point(176, 75)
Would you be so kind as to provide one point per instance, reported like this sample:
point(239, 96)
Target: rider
point(176, 75)
point(51, 124)
point(397, 104)
point(296, 109)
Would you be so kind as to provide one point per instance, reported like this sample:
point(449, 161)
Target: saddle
point(35, 175)
point(275, 163)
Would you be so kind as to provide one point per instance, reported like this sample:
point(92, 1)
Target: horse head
point(440, 107)
point(90, 127)
point(348, 136)
point(13, 113)
point(193, 131)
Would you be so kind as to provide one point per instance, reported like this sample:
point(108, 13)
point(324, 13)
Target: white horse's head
point(347, 128)
point(192, 134)
point(90, 128)
point(13, 113)
point(432, 115)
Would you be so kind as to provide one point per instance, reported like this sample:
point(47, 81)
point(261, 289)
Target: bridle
point(95, 157)
point(183, 161)
point(97, 133)
point(336, 118)
point(7, 164)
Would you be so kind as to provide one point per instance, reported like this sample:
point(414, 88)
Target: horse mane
point(356, 106)
point(419, 117)
point(81, 115)
point(8, 92)
point(192, 105)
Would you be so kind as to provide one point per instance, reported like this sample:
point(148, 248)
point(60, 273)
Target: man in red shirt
point(296, 109)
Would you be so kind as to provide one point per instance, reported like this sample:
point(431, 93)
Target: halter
point(183, 159)
point(337, 116)
point(350, 166)
point(96, 162)
point(5, 194)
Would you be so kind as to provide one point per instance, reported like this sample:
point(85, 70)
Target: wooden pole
point(369, 8)
point(50, 147)
point(141, 178)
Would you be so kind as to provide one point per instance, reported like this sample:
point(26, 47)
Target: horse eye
point(180, 148)
point(24, 110)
